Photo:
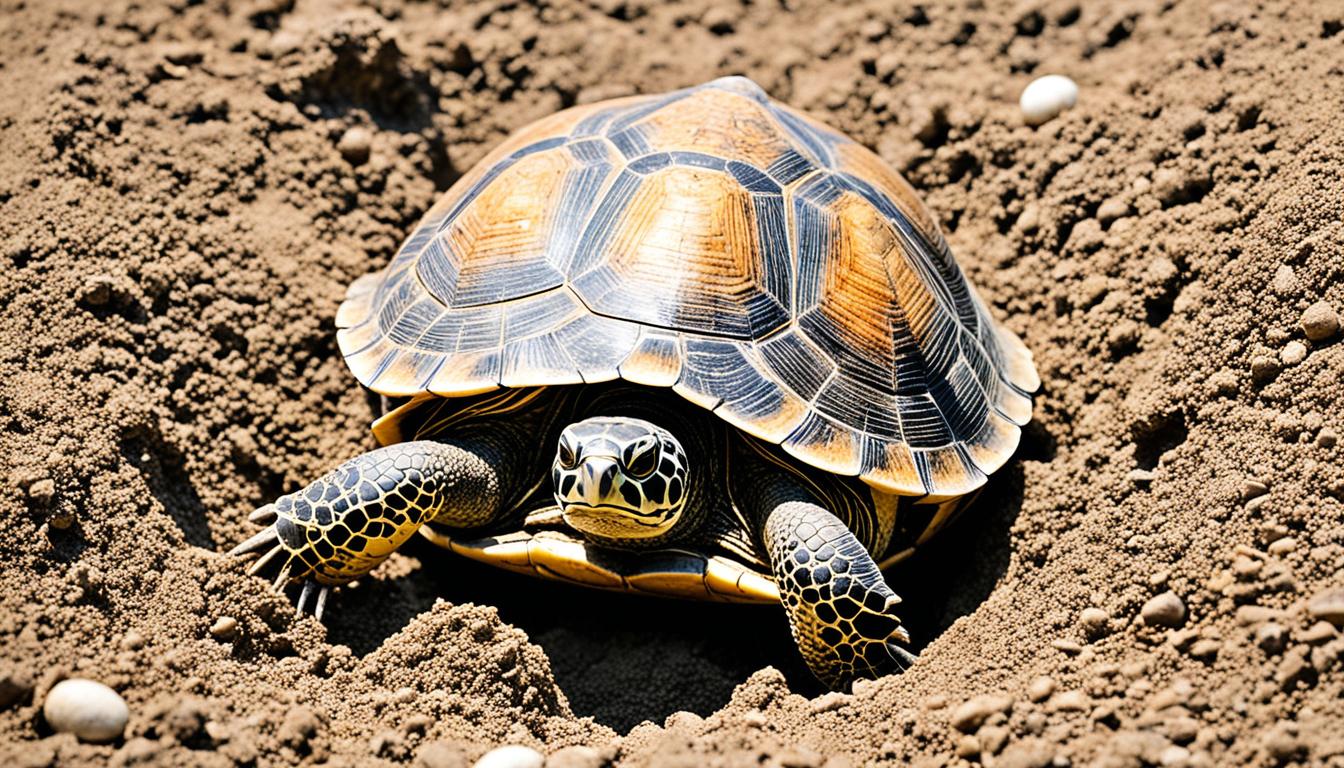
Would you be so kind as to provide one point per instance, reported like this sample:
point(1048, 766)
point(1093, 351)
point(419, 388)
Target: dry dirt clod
point(1095, 622)
point(971, 714)
point(1164, 610)
point(1320, 321)
point(1070, 701)
point(577, 756)
point(1271, 638)
point(511, 756)
point(1328, 606)
point(87, 708)
point(1040, 689)
point(15, 685)
point(441, 754)
point(1293, 353)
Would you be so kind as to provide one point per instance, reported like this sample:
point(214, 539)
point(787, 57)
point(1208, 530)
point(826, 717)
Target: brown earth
point(179, 218)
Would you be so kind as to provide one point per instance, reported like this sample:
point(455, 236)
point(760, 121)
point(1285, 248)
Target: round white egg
point(86, 708)
point(1045, 97)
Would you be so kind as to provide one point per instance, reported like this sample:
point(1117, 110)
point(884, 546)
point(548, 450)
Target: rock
point(224, 627)
point(972, 714)
point(511, 756)
point(1293, 353)
point(1040, 689)
point(355, 145)
point(1095, 621)
point(1264, 367)
point(1205, 650)
point(1327, 438)
point(86, 708)
point(1165, 610)
point(577, 756)
point(1320, 321)
point(42, 492)
point(1328, 606)
point(1070, 701)
point(1271, 638)
point(441, 754)
point(97, 290)
point(1251, 488)
point(1045, 97)
point(1142, 476)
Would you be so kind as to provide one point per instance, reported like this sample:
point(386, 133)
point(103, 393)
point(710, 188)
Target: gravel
point(1165, 610)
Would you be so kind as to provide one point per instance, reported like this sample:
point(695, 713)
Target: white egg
point(86, 708)
point(1045, 97)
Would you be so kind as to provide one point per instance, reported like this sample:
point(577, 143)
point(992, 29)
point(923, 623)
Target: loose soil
point(183, 201)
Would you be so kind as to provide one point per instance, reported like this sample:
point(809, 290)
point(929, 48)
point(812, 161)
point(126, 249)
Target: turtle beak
point(597, 482)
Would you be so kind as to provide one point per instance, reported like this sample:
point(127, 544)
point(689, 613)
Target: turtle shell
point(713, 241)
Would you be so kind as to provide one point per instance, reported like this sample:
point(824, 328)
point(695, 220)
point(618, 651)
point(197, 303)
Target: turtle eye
point(642, 464)
point(565, 456)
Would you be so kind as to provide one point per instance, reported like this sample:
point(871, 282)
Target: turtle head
point(619, 478)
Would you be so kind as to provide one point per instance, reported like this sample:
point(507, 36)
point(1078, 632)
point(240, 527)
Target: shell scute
point(726, 246)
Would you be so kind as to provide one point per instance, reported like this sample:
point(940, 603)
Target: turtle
point(695, 344)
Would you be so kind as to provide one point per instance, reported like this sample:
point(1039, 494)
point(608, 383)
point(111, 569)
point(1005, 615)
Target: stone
point(1271, 638)
point(224, 627)
point(1095, 621)
point(355, 145)
point(1320, 321)
point(87, 708)
point(1070, 701)
point(1164, 610)
point(1040, 689)
point(1293, 353)
point(1112, 209)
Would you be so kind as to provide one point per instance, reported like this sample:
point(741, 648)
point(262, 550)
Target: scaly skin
point(841, 611)
point(347, 522)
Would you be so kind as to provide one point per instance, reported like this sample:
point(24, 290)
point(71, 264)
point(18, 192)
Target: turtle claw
point(257, 541)
point(903, 658)
point(310, 589)
point(264, 515)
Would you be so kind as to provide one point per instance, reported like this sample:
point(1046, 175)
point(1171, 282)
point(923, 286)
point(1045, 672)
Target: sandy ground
point(179, 218)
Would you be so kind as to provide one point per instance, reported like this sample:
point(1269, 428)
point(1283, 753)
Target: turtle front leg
point(841, 611)
point(347, 522)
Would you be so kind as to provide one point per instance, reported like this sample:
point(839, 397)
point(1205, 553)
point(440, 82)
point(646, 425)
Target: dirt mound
point(187, 188)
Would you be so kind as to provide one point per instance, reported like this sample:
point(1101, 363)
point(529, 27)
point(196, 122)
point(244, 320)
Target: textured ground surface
point(179, 218)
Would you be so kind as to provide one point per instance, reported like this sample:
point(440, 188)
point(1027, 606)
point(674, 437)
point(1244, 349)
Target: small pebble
point(1165, 610)
point(1142, 476)
point(1328, 606)
point(1264, 367)
point(1293, 353)
point(1327, 438)
point(1205, 650)
point(968, 746)
point(830, 702)
point(1041, 688)
point(1066, 646)
point(1045, 97)
point(1174, 757)
point(86, 708)
point(1285, 281)
point(355, 145)
point(1095, 621)
point(992, 739)
point(970, 715)
point(1252, 488)
point(224, 627)
point(1271, 638)
point(1320, 321)
point(754, 719)
point(511, 756)
point(1250, 615)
